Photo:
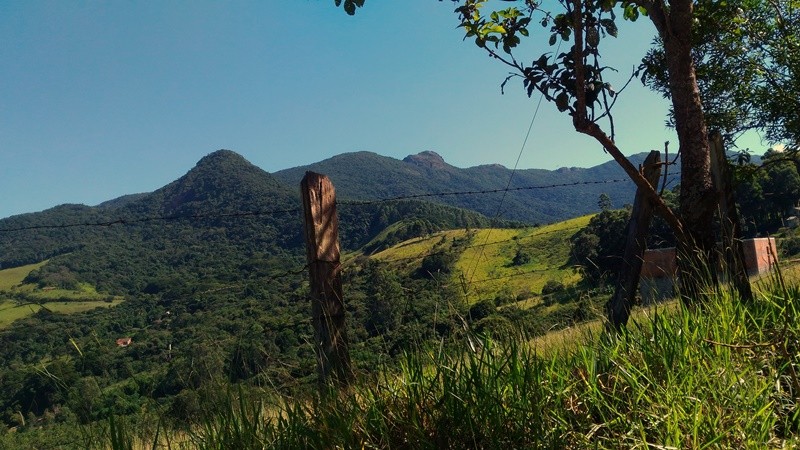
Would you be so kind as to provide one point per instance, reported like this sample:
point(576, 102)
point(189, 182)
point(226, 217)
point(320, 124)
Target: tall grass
point(723, 375)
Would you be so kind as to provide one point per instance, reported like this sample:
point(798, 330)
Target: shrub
point(521, 257)
point(482, 309)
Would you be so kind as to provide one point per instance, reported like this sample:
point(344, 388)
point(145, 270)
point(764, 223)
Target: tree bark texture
point(696, 253)
point(729, 218)
point(327, 303)
point(619, 307)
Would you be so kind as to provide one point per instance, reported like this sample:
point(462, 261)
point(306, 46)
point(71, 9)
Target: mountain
point(198, 230)
point(206, 276)
point(535, 196)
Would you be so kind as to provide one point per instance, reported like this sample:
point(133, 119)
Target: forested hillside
point(536, 195)
point(206, 276)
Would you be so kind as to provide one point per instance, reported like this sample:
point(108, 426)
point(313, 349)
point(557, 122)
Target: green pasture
point(486, 269)
point(11, 311)
point(18, 300)
point(11, 278)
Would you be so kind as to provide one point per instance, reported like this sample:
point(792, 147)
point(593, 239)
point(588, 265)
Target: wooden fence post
point(732, 248)
point(618, 308)
point(327, 303)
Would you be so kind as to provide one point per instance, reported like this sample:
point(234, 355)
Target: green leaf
point(631, 13)
point(562, 101)
point(493, 28)
point(542, 62)
point(610, 26)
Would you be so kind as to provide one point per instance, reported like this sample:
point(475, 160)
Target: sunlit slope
point(485, 266)
point(489, 264)
point(19, 299)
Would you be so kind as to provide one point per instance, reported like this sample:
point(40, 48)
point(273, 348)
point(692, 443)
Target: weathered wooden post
point(327, 303)
point(618, 308)
point(732, 248)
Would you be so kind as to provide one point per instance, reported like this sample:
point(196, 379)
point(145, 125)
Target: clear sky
point(102, 99)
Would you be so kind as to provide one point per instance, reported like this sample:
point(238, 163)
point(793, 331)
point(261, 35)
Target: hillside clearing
point(486, 268)
point(19, 300)
point(11, 278)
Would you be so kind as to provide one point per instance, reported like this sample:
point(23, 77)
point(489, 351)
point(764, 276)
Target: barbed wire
point(261, 280)
point(517, 274)
point(478, 192)
point(242, 214)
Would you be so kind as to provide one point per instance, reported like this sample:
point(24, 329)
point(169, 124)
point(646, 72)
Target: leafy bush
point(552, 287)
point(521, 257)
point(789, 247)
point(481, 310)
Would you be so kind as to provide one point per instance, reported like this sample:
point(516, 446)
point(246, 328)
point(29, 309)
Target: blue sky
point(102, 99)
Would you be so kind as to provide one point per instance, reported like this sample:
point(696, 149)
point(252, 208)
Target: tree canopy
point(747, 57)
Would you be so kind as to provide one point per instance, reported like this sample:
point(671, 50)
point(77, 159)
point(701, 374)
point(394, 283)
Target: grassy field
point(486, 270)
point(488, 267)
point(65, 301)
point(11, 278)
point(11, 311)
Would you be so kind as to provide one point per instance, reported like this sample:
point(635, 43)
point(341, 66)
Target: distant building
point(124, 342)
point(660, 270)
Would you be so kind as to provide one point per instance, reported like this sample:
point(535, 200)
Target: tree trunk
point(321, 227)
point(732, 247)
point(618, 308)
point(696, 252)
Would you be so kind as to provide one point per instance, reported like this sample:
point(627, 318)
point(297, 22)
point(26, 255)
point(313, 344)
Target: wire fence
point(302, 269)
point(244, 214)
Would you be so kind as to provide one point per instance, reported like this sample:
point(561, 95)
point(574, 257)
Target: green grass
point(485, 269)
point(10, 278)
point(79, 306)
point(83, 291)
point(10, 312)
point(721, 375)
point(65, 301)
point(417, 248)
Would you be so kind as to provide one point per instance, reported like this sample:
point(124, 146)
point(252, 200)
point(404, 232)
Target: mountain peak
point(221, 181)
point(221, 156)
point(428, 159)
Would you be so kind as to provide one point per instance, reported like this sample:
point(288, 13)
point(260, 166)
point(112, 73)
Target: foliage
point(746, 58)
point(789, 247)
point(598, 248)
point(767, 193)
point(604, 202)
point(350, 5)
point(675, 380)
point(368, 176)
point(552, 287)
point(482, 310)
point(521, 257)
